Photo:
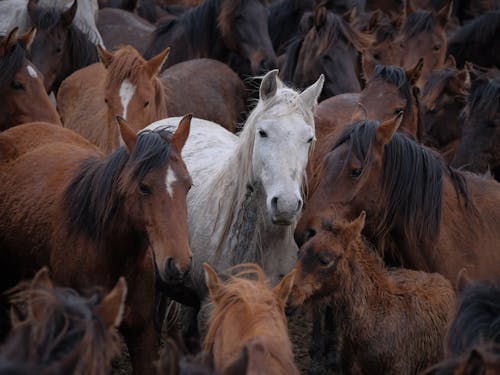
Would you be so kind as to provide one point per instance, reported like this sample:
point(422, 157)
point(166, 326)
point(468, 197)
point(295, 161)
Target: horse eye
point(262, 133)
point(310, 140)
point(324, 260)
point(437, 47)
point(16, 85)
point(356, 172)
point(106, 100)
point(58, 50)
point(376, 56)
point(145, 190)
point(397, 111)
point(491, 124)
point(146, 104)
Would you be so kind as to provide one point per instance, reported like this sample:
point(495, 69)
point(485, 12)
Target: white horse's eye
point(310, 140)
point(262, 133)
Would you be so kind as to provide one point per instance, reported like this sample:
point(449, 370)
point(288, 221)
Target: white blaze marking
point(31, 71)
point(171, 179)
point(127, 91)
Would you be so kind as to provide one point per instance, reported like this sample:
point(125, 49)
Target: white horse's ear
point(310, 95)
point(269, 85)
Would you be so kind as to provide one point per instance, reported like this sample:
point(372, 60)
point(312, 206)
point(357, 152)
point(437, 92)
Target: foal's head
point(247, 313)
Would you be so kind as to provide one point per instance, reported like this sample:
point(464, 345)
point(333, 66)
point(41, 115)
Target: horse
point(107, 216)
point(329, 46)
point(22, 93)
point(247, 314)
point(479, 147)
point(56, 330)
point(124, 84)
point(421, 213)
point(216, 28)
point(443, 99)
point(476, 41)
point(206, 88)
point(371, 303)
point(384, 29)
point(60, 48)
point(247, 189)
point(424, 36)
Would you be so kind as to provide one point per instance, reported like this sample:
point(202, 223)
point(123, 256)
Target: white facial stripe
point(126, 93)
point(171, 179)
point(31, 71)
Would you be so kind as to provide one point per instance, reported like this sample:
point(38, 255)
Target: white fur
point(127, 91)
point(171, 179)
point(31, 71)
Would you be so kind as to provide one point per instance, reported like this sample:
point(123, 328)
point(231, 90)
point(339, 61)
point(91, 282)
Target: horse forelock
point(44, 18)
point(421, 21)
point(11, 63)
point(484, 97)
point(436, 84)
point(127, 63)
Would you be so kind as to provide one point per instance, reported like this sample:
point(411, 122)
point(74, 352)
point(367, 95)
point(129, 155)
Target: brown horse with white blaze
point(93, 218)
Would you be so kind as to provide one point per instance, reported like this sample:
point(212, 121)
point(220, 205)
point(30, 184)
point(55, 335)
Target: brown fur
point(247, 313)
point(390, 321)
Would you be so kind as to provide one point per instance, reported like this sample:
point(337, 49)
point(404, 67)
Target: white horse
point(247, 191)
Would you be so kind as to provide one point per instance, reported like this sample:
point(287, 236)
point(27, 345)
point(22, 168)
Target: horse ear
point(112, 306)
point(8, 42)
point(386, 130)
point(42, 279)
point(463, 281)
point(127, 134)
point(212, 281)
point(464, 76)
point(181, 134)
point(356, 226)
point(27, 38)
point(368, 65)
point(320, 16)
point(240, 365)
point(306, 22)
point(269, 85)
point(414, 73)
point(408, 8)
point(375, 19)
point(105, 56)
point(310, 95)
point(284, 288)
point(444, 15)
point(450, 62)
point(475, 364)
point(69, 15)
point(32, 7)
point(153, 66)
point(350, 15)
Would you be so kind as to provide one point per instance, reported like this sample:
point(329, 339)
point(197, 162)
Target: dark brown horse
point(371, 304)
point(329, 46)
point(59, 48)
point(479, 148)
point(22, 94)
point(92, 218)
point(57, 331)
point(424, 214)
point(215, 29)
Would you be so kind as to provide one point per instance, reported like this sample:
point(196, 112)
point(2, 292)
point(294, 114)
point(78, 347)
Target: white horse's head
point(282, 127)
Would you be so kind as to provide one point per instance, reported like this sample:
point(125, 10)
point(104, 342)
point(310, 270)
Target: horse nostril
point(274, 204)
point(266, 65)
point(172, 268)
point(310, 233)
point(299, 204)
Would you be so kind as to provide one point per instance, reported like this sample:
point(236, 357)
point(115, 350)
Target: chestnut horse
point(22, 94)
point(215, 29)
point(424, 214)
point(55, 330)
point(370, 303)
point(106, 216)
point(247, 313)
point(124, 84)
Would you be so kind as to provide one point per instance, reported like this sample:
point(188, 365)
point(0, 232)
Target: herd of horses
point(250, 187)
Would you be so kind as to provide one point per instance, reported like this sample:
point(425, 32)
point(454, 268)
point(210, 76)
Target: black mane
point(484, 97)
point(421, 21)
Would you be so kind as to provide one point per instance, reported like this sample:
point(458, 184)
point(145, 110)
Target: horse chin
point(281, 221)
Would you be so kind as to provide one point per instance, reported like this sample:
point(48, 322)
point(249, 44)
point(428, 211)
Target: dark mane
point(421, 21)
point(411, 196)
point(96, 193)
point(477, 319)
point(438, 80)
point(11, 63)
point(65, 332)
point(484, 97)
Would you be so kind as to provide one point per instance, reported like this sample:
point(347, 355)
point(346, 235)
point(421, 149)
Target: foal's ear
point(320, 16)
point(127, 134)
point(475, 364)
point(386, 130)
point(181, 134)
point(463, 281)
point(444, 15)
point(212, 281)
point(8, 42)
point(27, 38)
point(154, 64)
point(284, 288)
point(269, 85)
point(356, 226)
point(105, 56)
point(69, 15)
point(414, 73)
point(310, 95)
point(112, 306)
point(42, 279)
point(450, 62)
point(368, 65)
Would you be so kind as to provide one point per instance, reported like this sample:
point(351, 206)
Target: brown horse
point(59, 47)
point(22, 94)
point(479, 148)
point(371, 304)
point(426, 215)
point(215, 29)
point(329, 46)
point(124, 84)
point(92, 218)
point(247, 313)
point(55, 330)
